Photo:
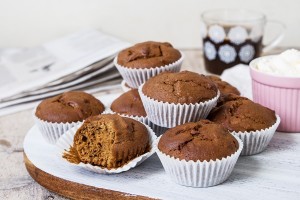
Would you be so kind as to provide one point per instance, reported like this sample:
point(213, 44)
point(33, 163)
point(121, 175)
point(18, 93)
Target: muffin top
point(180, 87)
point(69, 107)
point(129, 103)
point(241, 114)
point(148, 55)
point(108, 141)
point(223, 86)
point(202, 140)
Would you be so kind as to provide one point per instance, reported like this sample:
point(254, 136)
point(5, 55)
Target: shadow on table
point(246, 168)
point(283, 142)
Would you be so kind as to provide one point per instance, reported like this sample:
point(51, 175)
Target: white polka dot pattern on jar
point(216, 33)
point(247, 53)
point(210, 50)
point(237, 35)
point(227, 53)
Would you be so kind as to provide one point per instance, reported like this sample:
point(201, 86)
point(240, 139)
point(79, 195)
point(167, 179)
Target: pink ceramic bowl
point(278, 93)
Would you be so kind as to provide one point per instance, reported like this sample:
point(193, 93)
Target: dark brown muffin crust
point(69, 107)
point(129, 103)
point(148, 55)
point(180, 87)
point(108, 141)
point(223, 86)
point(241, 114)
point(203, 140)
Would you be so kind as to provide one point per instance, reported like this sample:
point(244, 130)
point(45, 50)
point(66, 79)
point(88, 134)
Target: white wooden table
point(278, 166)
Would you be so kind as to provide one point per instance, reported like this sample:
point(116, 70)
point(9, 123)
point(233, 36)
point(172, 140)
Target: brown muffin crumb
point(180, 87)
point(108, 141)
point(70, 106)
point(203, 140)
point(148, 55)
point(241, 114)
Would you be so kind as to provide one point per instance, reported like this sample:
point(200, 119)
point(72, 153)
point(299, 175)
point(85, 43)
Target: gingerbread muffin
point(202, 140)
point(241, 114)
point(55, 115)
point(142, 61)
point(109, 141)
point(148, 55)
point(182, 87)
point(171, 99)
point(69, 107)
point(129, 103)
point(223, 86)
point(253, 123)
point(191, 152)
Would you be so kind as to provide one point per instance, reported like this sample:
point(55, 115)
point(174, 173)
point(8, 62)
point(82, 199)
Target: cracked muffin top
point(69, 107)
point(241, 114)
point(148, 55)
point(180, 87)
point(202, 140)
point(223, 86)
point(129, 103)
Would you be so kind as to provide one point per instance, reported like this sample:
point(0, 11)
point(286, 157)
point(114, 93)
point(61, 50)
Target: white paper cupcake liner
point(169, 114)
point(66, 141)
point(124, 87)
point(257, 141)
point(199, 174)
point(158, 130)
point(52, 131)
point(135, 77)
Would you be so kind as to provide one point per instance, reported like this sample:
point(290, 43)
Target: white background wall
point(31, 22)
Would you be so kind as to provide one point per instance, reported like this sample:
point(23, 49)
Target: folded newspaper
point(80, 61)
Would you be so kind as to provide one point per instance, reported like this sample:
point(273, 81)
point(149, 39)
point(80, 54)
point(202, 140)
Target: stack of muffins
point(203, 122)
point(137, 64)
point(184, 102)
point(104, 143)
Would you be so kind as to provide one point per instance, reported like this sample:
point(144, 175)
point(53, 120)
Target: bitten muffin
point(148, 55)
point(69, 107)
point(129, 103)
point(180, 88)
point(223, 86)
point(202, 140)
point(108, 141)
point(241, 114)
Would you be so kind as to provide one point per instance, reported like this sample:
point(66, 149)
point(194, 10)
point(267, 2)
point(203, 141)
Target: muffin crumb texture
point(148, 55)
point(241, 114)
point(108, 141)
point(203, 140)
point(182, 87)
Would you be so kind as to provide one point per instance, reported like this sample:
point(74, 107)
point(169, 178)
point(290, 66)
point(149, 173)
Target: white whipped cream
point(285, 64)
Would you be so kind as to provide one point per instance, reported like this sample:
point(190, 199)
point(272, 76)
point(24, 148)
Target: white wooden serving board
point(272, 174)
